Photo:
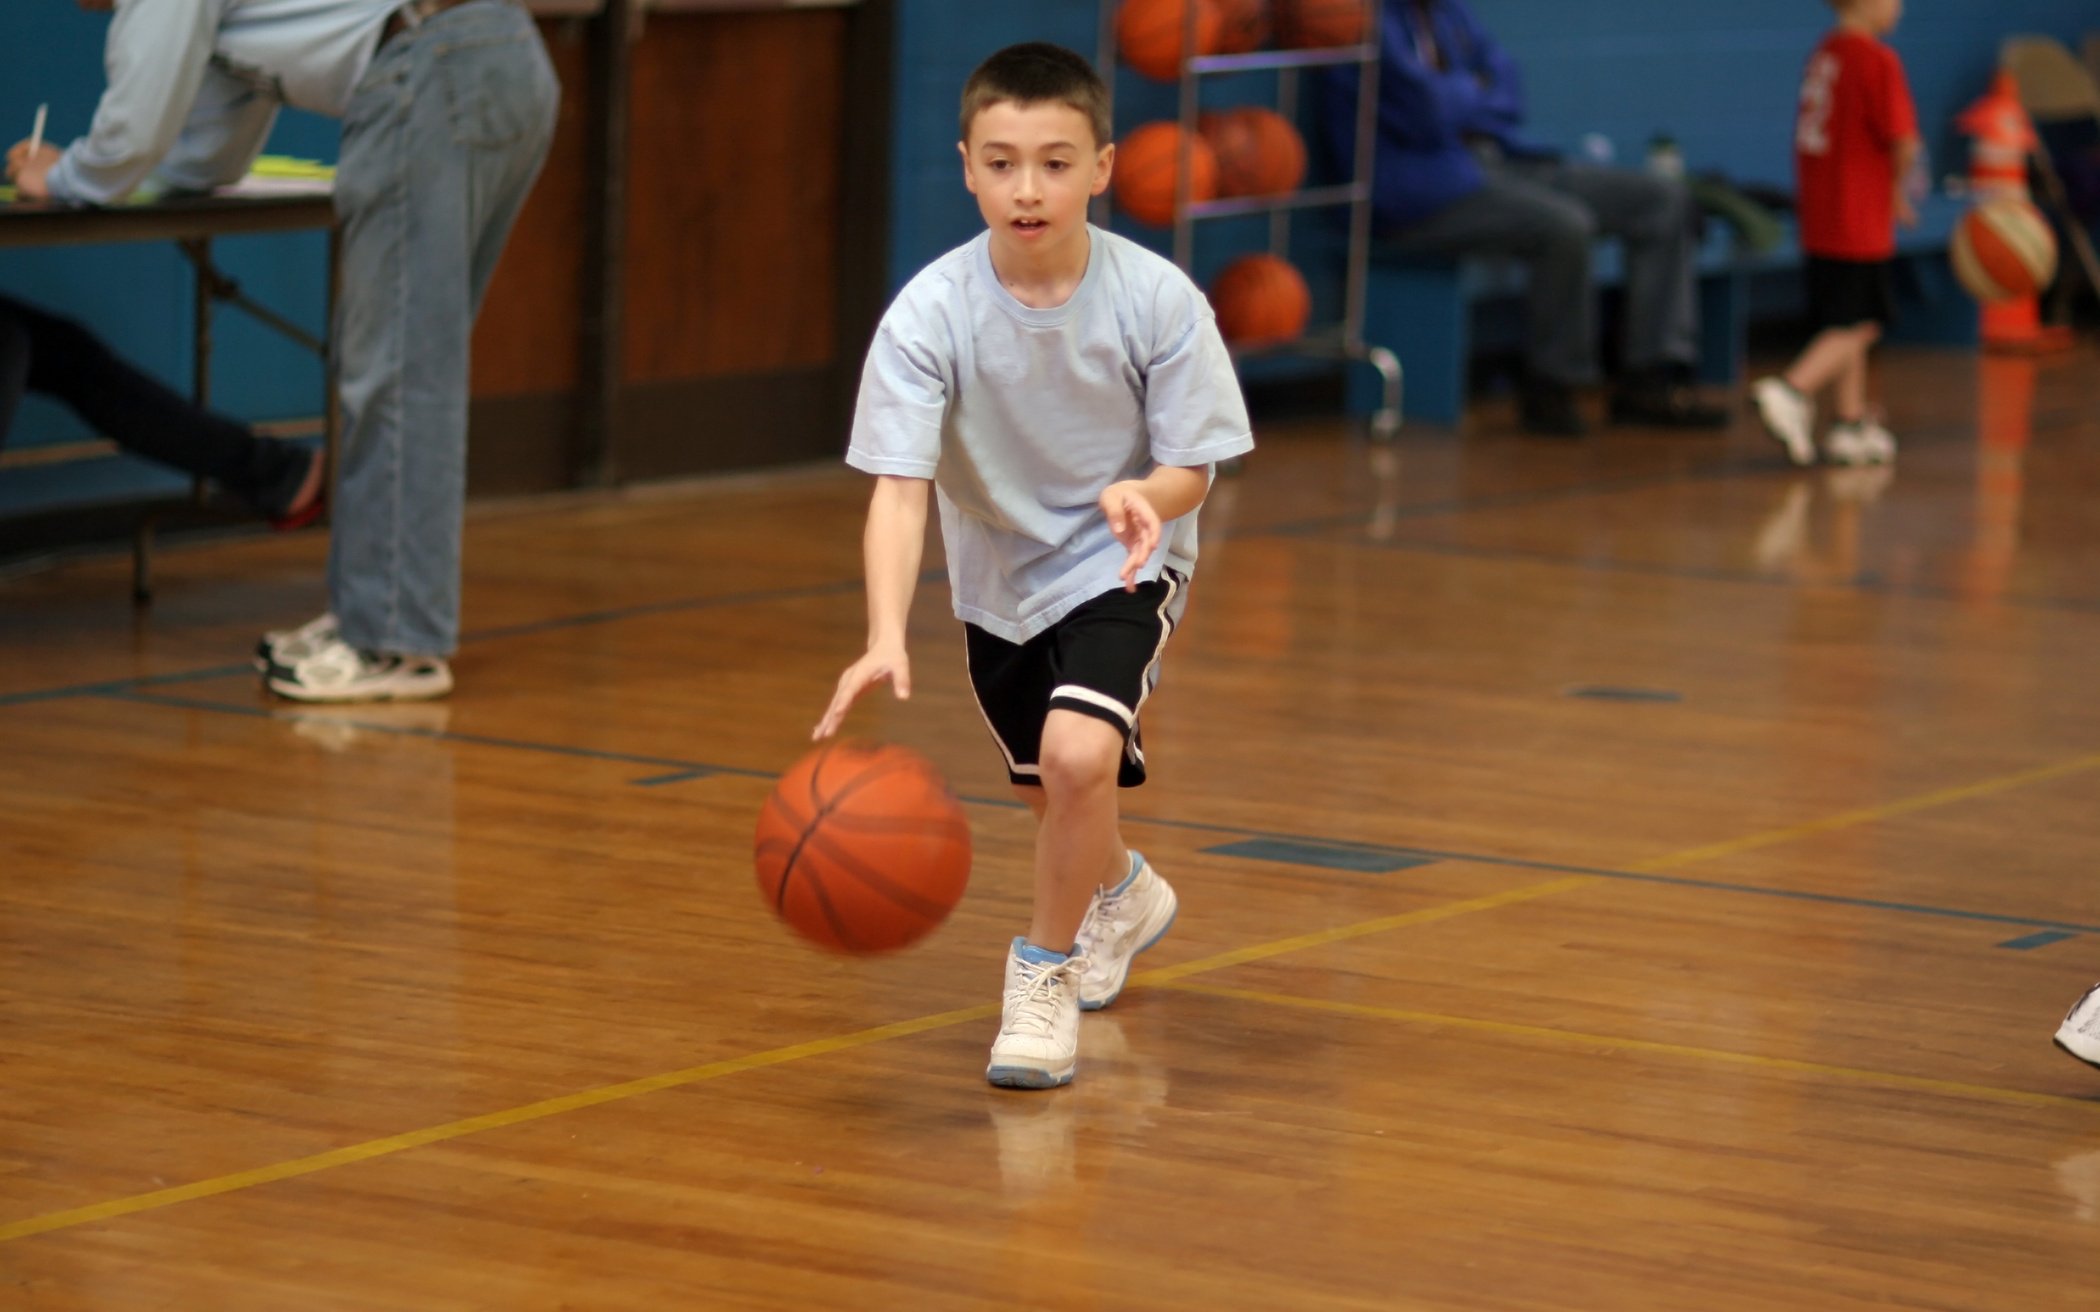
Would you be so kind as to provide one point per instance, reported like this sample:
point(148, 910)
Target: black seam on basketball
point(823, 811)
point(879, 824)
point(880, 882)
point(831, 915)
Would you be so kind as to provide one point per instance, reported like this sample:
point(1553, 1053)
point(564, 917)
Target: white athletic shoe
point(1864, 443)
point(1119, 925)
point(2079, 1035)
point(1788, 416)
point(285, 647)
point(338, 672)
point(1038, 1043)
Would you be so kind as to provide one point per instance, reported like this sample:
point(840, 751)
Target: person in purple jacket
point(1455, 176)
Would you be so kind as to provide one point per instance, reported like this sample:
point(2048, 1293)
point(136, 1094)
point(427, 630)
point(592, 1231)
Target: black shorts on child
point(1847, 293)
point(1101, 660)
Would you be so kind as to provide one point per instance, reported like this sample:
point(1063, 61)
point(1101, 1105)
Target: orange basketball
point(1260, 300)
point(1315, 24)
point(862, 848)
point(1243, 25)
point(2003, 250)
point(1259, 152)
point(1147, 162)
point(1150, 34)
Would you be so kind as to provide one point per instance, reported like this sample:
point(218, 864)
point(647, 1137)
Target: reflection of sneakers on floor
point(2080, 1177)
point(341, 728)
point(1788, 416)
point(1786, 532)
point(1860, 485)
point(1038, 1043)
point(287, 647)
point(2079, 1035)
point(1122, 922)
point(1864, 442)
point(338, 672)
point(1038, 1142)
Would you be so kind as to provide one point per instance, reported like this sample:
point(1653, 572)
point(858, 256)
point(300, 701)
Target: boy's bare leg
point(1078, 845)
point(1851, 383)
point(1828, 354)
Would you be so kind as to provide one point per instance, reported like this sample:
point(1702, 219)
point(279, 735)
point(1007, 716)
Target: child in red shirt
point(1855, 142)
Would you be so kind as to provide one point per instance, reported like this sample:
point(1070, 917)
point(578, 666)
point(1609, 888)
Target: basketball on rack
point(2003, 250)
point(1259, 152)
point(1148, 160)
point(1243, 25)
point(1317, 24)
point(1151, 34)
point(1260, 300)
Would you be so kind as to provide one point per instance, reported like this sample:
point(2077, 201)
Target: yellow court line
point(1435, 1020)
point(362, 1152)
point(1164, 976)
point(1847, 819)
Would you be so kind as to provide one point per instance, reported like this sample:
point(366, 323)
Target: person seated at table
point(41, 352)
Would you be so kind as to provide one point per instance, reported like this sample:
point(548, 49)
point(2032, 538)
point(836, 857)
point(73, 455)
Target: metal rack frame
point(1341, 341)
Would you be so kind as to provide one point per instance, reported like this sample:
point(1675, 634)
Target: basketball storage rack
point(1342, 341)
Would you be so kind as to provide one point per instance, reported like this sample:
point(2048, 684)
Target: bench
point(1433, 312)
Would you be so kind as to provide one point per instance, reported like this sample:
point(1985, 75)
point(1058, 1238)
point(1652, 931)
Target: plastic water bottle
point(1597, 148)
point(1665, 159)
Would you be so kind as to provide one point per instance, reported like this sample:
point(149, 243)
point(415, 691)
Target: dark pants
point(1549, 215)
point(41, 352)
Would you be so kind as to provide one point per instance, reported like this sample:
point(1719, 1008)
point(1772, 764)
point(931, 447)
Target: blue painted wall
point(138, 297)
point(1719, 75)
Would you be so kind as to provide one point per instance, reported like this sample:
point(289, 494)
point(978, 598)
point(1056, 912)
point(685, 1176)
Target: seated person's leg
point(1552, 234)
point(14, 365)
point(142, 415)
point(1653, 216)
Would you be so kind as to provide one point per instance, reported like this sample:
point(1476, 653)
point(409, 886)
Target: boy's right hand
point(886, 661)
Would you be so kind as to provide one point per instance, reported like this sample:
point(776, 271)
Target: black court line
point(1867, 584)
point(1401, 857)
point(1297, 528)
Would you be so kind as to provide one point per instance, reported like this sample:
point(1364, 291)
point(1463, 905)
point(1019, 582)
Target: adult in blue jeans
point(1455, 176)
point(448, 108)
point(46, 353)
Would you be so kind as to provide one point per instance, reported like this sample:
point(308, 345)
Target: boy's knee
point(1079, 753)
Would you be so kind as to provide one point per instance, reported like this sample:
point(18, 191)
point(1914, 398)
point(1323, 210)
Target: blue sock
point(1036, 956)
point(1135, 862)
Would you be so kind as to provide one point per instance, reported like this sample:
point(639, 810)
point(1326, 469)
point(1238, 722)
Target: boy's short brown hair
point(1031, 74)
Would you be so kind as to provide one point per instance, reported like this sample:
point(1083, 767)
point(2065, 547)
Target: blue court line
point(1607, 693)
point(2030, 942)
point(1413, 856)
point(115, 686)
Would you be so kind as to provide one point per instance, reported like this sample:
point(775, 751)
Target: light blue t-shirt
point(195, 84)
point(1023, 417)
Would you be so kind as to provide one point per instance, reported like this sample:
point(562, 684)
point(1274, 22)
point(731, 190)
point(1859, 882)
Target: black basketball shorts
point(1101, 660)
point(1847, 293)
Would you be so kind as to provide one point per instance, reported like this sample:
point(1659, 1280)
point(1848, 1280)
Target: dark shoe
point(1663, 399)
point(1548, 409)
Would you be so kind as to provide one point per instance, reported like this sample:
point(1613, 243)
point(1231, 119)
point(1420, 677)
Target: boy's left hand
point(1906, 213)
point(1136, 525)
point(27, 169)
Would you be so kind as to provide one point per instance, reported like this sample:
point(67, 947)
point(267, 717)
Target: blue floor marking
point(1363, 860)
point(675, 777)
point(1601, 692)
point(2030, 942)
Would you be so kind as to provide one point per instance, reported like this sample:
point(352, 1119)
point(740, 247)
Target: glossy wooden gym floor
point(1726, 986)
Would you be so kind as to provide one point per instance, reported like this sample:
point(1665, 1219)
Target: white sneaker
point(1038, 1043)
point(2079, 1035)
point(287, 647)
point(1864, 443)
point(1118, 926)
point(338, 672)
point(1788, 416)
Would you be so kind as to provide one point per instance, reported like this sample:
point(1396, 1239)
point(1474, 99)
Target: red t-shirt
point(1855, 107)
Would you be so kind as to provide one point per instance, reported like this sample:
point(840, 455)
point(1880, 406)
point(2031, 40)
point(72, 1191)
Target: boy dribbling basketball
point(1067, 393)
